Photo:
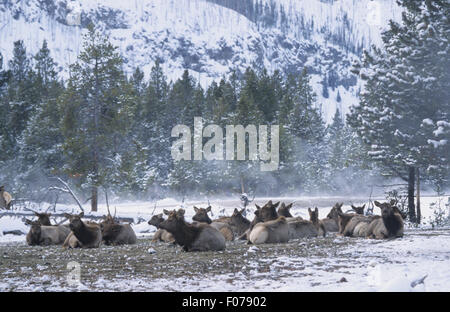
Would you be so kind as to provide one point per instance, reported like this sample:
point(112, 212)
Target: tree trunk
point(419, 214)
point(411, 182)
point(94, 199)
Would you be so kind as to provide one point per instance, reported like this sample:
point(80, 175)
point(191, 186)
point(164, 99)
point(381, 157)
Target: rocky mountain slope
point(213, 37)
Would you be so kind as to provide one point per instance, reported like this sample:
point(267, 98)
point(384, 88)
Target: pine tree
point(97, 114)
point(41, 141)
point(21, 97)
point(407, 89)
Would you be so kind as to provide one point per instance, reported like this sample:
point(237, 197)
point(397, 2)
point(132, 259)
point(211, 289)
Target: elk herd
point(272, 223)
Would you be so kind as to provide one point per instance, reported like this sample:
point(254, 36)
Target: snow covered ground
point(320, 264)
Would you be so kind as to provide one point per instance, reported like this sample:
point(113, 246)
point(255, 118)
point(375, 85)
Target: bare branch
point(69, 190)
point(59, 189)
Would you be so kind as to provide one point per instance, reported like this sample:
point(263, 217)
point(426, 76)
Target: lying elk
point(200, 237)
point(273, 231)
point(5, 198)
point(299, 228)
point(356, 225)
point(331, 222)
point(390, 225)
point(161, 234)
point(262, 214)
point(318, 224)
point(114, 233)
point(46, 234)
point(201, 215)
point(84, 234)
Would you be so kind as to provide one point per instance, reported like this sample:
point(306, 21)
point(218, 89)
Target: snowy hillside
point(211, 38)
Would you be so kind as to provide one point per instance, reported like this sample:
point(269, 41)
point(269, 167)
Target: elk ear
point(28, 222)
point(275, 205)
point(235, 211)
point(377, 204)
point(257, 207)
point(81, 215)
point(242, 211)
point(316, 210)
point(282, 205)
point(208, 209)
point(289, 206)
point(309, 210)
point(195, 209)
point(339, 205)
point(340, 213)
point(166, 212)
point(353, 207)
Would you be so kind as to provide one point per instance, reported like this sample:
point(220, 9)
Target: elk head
point(237, 217)
point(313, 215)
point(75, 221)
point(268, 211)
point(359, 210)
point(35, 231)
point(387, 209)
point(201, 215)
point(43, 218)
point(156, 220)
point(284, 210)
point(334, 212)
point(174, 220)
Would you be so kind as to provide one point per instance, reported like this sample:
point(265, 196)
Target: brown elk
point(331, 222)
point(161, 234)
point(239, 223)
point(262, 214)
point(273, 231)
point(351, 224)
point(283, 210)
point(5, 198)
point(46, 235)
point(200, 237)
point(201, 215)
point(299, 228)
point(114, 233)
point(84, 234)
point(318, 224)
point(390, 225)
